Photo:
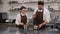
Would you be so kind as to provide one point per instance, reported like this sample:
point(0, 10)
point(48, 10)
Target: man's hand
point(33, 16)
point(44, 23)
point(40, 25)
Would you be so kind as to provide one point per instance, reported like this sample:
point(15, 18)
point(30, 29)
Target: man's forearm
point(44, 23)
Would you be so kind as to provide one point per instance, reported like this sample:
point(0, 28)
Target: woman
point(21, 18)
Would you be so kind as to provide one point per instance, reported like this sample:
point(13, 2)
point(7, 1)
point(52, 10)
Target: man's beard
point(40, 8)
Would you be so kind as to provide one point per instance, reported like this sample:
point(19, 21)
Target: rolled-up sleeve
point(17, 20)
point(47, 16)
point(35, 11)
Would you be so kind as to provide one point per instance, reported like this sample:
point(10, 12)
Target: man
point(41, 16)
point(21, 18)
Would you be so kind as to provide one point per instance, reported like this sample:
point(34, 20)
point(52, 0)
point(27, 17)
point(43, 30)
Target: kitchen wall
point(12, 14)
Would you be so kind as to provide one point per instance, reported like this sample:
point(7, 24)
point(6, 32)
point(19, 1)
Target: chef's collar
point(40, 10)
point(23, 14)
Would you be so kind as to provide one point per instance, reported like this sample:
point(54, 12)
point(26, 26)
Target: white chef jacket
point(46, 14)
point(18, 18)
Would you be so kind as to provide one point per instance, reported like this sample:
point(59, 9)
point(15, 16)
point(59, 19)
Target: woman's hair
point(22, 7)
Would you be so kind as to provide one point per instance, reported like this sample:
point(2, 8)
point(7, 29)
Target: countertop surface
point(15, 30)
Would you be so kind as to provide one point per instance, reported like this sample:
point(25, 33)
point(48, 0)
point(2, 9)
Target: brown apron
point(23, 20)
point(39, 19)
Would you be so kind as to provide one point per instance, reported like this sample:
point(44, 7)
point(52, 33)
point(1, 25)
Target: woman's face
point(23, 10)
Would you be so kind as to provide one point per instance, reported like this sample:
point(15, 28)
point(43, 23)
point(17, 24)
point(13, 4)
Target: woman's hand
point(21, 24)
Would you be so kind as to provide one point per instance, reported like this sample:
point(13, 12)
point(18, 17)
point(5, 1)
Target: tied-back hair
point(22, 7)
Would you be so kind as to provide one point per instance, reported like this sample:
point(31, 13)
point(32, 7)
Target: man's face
point(23, 10)
point(40, 7)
